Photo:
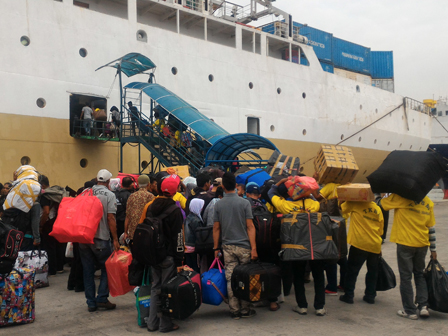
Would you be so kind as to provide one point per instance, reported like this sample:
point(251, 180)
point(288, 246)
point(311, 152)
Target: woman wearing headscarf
point(193, 221)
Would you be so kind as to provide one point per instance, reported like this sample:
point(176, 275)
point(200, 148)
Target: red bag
point(117, 273)
point(300, 186)
point(78, 218)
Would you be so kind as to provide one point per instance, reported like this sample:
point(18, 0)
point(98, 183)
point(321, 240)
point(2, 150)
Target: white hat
point(103, 175)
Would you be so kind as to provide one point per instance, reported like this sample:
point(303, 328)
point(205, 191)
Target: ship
point(210, 53)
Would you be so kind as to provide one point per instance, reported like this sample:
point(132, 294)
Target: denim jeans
point(87, 125)
point(411, 260)
point(357, 258)
point(92, 255)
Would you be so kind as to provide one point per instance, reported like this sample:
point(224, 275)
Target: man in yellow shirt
point(364, 236)
point(412, 231)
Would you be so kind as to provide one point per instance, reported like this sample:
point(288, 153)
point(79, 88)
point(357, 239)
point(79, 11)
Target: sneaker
point(235, 316)
point(368, 300)
point(346, 299)
point(321, 312)
point(341, 289)
point(424, 312)
point(331, 293)
point(106, 305)
point(250, 313)
point(402, 313)
point(92, 309)
point(301, 311)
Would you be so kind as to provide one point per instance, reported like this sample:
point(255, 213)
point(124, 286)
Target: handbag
point(78, 218)
point(386, 277)
point(143, 297)
point(214, 284)
point(437, 282)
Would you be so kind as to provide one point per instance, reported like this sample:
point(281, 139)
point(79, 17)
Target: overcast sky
point(416, 31)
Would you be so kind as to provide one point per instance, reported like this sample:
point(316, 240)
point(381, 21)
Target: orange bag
point(78, 218)
point(117, 273)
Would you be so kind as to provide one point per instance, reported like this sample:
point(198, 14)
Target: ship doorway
point(77, 102)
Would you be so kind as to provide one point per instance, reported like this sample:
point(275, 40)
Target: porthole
point(304, 132)
point(211, 78)
point(25, 40)
point(279, 90)
point(40, 102)
point(174, 70)
point(251, 85)
point(358, 89)
point(360, 107)
point(304, 95)
point(83, 163)
point(359, 139)
point(272, 128)
point(83, 52)
point(388, 143)
point(144, 164)
point(25, 160)
point(141, 36)
point(374, 142)
point(342, 136)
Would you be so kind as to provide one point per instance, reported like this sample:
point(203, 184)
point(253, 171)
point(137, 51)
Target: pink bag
point(300, 186)
point(78, 218)
point(117, 273)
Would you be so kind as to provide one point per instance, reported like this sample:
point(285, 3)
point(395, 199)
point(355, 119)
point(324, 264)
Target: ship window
point(174, 70)
point(141, 36)
point(83, 52)
point(304, 132)
point(251, 85)
point(144, 164)
point(440, 113)
point(211, 78)
point(40, 102)
point(304, 95)
point(272, 128)
point(81, 4)
point(25, 40)
point(253, 125)
point(279, 90)
point(77, 126)
point(358, 89)
point(83, 163)
point(446, 112)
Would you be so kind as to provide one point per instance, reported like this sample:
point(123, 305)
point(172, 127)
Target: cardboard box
point(357, 192)
point(181, 171)
point(335, 164)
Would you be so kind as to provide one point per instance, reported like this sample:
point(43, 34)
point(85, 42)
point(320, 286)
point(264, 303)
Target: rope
point(112, 86)
point(440, 124)
point(363, 129)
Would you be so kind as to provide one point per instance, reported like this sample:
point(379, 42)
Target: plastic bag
point(386, 277)
point(78, 219)
point(437, 282)
point(300, 186)
point(69, 251)
point(117, 273)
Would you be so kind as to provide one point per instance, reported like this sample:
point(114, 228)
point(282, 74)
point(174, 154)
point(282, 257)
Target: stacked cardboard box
point(357, 192)
point(335, 164)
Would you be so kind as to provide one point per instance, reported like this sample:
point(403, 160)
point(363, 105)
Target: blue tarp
point(229, 147)
point(131, 64)
point(190, 116)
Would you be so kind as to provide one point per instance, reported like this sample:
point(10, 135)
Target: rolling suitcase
point(182, 296)
point(17, 300)
point(256, 281)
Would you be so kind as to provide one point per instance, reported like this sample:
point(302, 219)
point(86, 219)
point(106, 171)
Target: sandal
point(173, 328)
point(276, 308)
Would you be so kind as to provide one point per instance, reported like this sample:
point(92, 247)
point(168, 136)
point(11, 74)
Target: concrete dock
point(62, 312)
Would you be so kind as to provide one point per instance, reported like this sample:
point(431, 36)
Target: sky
point(415, 30)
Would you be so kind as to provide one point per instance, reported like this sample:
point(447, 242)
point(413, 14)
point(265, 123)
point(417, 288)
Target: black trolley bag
point(182, 296)
point(256, 281)
point(267, 226)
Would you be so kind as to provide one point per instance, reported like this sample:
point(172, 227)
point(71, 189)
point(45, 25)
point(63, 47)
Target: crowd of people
point(220, 203)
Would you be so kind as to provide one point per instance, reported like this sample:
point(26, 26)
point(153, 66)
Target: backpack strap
point(167, 212)
point(248, 177)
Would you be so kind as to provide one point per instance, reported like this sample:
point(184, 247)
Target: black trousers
point(120, 228)
point(356, 259)
point(317, 269)
point(76, 277)
point(55, 251)
point(386, 222)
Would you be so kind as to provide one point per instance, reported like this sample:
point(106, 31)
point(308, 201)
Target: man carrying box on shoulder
point(364, 236)
point(413, 231)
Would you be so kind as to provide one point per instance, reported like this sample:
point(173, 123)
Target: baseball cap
point(252, 188)
point(217, 181)
point(170, 184)
point(143, 181)
point(103, 175)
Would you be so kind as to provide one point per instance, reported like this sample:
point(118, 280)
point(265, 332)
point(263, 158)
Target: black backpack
point(10, 242)
point(267, 226)
point(204, 239)
point(149, 246)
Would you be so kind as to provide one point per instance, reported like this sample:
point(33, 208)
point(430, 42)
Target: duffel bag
point(386, 277)
point(214, 284)
point(256, 281)
point(259, 176)
point(181, 296)
point(78, 218)
point(437, 282)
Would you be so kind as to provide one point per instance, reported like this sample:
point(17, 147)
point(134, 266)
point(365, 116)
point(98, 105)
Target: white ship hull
point(51, 68)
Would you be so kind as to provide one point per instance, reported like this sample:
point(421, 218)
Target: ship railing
point(228, 10)
point(412, 104)
point(94, 129)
